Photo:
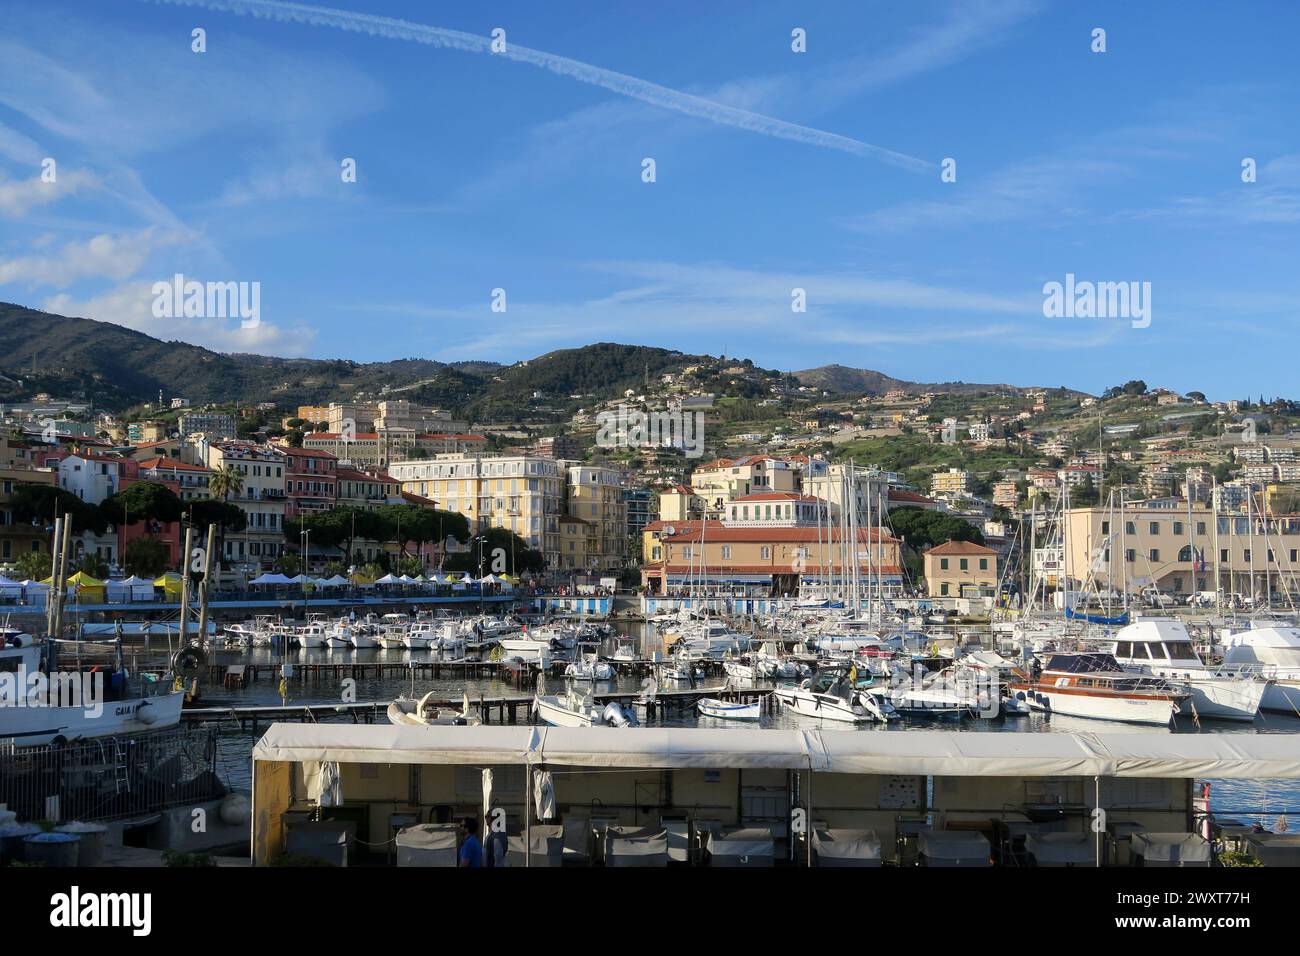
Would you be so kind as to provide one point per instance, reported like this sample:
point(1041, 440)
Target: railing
point(111, 778)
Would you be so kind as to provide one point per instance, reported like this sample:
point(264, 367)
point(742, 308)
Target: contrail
point(621, 83)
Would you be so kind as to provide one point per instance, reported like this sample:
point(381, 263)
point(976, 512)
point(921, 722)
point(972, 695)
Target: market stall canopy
point(271, 579)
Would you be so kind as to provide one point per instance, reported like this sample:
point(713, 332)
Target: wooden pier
point(514, 709)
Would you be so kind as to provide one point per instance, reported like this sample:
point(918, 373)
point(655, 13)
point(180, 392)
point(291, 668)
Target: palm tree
point(224, 481)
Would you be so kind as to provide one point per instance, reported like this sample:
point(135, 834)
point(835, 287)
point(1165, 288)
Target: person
point(495, 846)
point(471, 850)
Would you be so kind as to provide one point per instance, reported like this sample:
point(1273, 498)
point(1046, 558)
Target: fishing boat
point(420, 636)
point(118, 702)
point(724, 710)
point(1094, 685)
point(364, 635)
point(406, 711)
point(311, 635)
point(738, 669)
point(1162, 647)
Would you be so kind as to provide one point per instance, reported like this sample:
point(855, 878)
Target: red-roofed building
point(961, 569)
point(776, 558)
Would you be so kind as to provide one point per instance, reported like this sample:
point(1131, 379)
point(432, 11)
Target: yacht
point(311, 635)
point(1272, 652)
point(1094, 685)
point(589, 669)
point(1162, 647)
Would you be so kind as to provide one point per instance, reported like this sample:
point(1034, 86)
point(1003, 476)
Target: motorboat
point(589, 669)
point(725, 710)
point(239, 635)
point(832, 695)
point(339, 634)
point(738, 669)
point(1271, 652)
point(952, 692)
point(574, 709)
point(407, 711)
point(311, 635)
point(1095, 685)
point(1162, 647)
point(420, 636)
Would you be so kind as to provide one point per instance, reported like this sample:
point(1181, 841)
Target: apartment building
point(262, 499)
point(1005, 494)
point(525, 493)
point(718, 482)
point(214, 425)
point(954, 481)
point(1162, 545)
point(595, 494)
point(779, 509)
point(190, 481)
point(377, 449)
point(21, 537)
point(310, 484)
point(839, 485)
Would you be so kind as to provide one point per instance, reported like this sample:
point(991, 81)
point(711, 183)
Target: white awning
point(941, 753)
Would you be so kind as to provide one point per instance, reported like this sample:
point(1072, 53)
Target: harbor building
point(961, 569)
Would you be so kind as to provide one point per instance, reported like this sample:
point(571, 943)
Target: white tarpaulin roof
point(270, 579)
point(942, 753)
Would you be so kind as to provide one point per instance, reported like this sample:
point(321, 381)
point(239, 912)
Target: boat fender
point(189, 662)
point(235, 809)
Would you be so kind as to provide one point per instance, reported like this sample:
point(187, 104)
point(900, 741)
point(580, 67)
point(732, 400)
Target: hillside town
point(942, 485)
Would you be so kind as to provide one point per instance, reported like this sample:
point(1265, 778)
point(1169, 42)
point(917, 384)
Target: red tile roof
point(690, 532)
point(960, 547)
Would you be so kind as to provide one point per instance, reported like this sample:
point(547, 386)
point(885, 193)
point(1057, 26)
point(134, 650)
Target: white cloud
point(131, 305)
point(103, 256)
point(17, 196)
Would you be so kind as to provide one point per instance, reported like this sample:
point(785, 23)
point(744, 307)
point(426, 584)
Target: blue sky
point(775, 170)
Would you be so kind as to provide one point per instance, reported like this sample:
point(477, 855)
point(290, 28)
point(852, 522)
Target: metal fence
point(110, 778)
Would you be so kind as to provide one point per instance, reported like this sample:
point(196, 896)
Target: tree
point(923, 528)
point(39, 504)
point(34, 566)
point(500, 550)
point(225, 481)
point(143, 501)
point(146, 557)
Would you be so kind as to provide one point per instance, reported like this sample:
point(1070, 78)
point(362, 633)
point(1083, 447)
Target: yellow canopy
point(88, 588)
point(169, 581)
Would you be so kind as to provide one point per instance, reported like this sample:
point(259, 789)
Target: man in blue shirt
point(471, 850)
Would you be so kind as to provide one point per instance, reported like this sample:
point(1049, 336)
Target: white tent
point(10, 588)
point(130, 589)
point(389, 579)
point(489, 579)
point(338, 581)
point(298, 579)
point(270, 579)
point(406, 579)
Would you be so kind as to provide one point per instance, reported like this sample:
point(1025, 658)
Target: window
point(964, 564)
point(766, 553)
point(1178, 527)
point(1245, 554)
point(1155, 527)
point(1200, 527)
point(1155, 554)
point(1223, 555)
point(726, 551)
point(943, 588)
point(1130, 555)
point(1130, 527)
point(1105, 527)
point(943, 564)
point(984, 564)
point(1124, 649)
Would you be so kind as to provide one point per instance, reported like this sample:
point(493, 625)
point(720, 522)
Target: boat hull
point(708, 707)
point(34, 726)
point(1157, 711)
point(557, 715)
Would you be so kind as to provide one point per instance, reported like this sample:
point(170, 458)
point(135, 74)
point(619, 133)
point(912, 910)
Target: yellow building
point(961, 569)
point(525, 493)
point(595, 494)
point(1159, 544)
point(721, 481)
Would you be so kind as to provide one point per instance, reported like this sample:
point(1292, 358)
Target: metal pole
point(185, 586)
point(1096, 818)
point(54, 575)
point(61, 573)
point(808, 824)
point(203, 588)
point(528, 816)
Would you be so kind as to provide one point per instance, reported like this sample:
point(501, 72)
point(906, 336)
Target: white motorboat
point(364, 636)
point(738, 669)
point(239, 635)
point(680, 669)
point(1162, 647)
point(1271, 652)
point(338, 635)
point(311, 635)
point(724, 710)
point(407, 711)
point(829, 696)
point(420, 636)
point(949, 693)
point(573, 709)
point(526, 649)
point(1094, 685)
point(589, 669)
